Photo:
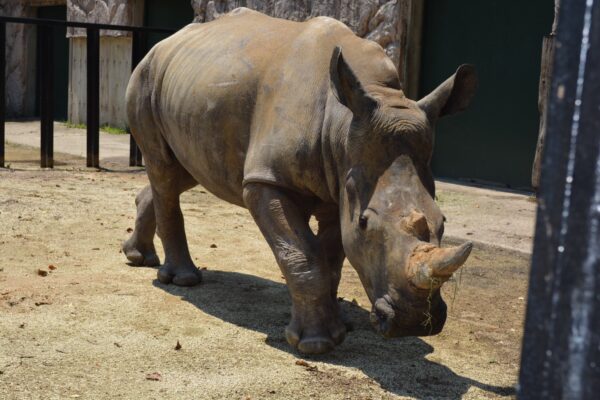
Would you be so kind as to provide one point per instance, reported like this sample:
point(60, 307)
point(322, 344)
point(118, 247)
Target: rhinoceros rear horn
point(346, 86)
point(429, 266)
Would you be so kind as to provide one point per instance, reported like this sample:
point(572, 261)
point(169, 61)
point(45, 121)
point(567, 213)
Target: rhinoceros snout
point(383, 315)
point(399, 320)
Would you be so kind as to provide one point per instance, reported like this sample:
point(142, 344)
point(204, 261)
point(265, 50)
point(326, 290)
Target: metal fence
point(46, 84)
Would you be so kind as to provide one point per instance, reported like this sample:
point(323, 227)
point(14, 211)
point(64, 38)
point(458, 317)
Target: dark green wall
point(174, 14)
point(495, 139)
point(61, 61)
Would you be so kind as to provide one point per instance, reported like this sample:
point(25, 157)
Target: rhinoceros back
point(241, 99)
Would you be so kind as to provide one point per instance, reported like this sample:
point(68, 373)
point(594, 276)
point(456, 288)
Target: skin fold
point(291, 120)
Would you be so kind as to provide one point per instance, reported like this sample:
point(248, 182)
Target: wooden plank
point(544, 93)
point(413, 49)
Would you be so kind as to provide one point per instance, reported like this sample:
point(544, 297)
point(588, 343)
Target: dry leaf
point(302, 363)
point(155, 376)
point(178, 346)
point(306, 365)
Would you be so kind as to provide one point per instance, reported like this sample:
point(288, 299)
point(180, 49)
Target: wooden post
point(543, 94)
point(560, 357)
point(410, 28)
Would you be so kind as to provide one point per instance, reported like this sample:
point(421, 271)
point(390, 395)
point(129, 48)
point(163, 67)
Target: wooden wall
point(115, 70)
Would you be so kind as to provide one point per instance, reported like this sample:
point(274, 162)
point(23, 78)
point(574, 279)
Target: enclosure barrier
point(561, 346)
point(46, 84)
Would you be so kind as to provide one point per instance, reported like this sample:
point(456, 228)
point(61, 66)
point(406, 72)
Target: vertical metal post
point(93, 97)
point(561, 348)
point(2, 89)
point(46, 65)
point(137, 53)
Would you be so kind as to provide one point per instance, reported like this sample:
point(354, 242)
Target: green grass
point(72, 125)
point(105, 128)
point(113, 130)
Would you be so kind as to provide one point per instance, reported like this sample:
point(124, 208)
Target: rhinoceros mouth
point(382, 316)
point(392, 320)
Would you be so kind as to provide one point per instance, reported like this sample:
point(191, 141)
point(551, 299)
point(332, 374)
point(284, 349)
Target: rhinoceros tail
point(141, 115)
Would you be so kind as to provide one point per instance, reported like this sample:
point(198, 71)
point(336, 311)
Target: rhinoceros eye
point(363, 221)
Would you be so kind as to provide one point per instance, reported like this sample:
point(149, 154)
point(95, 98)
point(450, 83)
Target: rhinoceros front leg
point(316, 326)
point(330, 239)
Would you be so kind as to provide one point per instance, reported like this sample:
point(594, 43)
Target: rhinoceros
point(292, 120)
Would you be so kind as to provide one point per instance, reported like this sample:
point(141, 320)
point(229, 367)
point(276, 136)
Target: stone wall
point(20, 60)
point(21, 42)
point(113, 12)
point(376, 20)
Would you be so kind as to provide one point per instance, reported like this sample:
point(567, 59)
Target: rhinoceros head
point(391, 225)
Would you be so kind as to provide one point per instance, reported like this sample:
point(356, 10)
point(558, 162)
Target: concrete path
point(488, 217)
point(67, 140)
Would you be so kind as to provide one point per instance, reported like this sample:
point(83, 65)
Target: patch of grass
point(113, 130)
point(73, 125)
point(104, 128)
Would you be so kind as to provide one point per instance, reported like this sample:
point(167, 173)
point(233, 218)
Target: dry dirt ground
point(96, 328)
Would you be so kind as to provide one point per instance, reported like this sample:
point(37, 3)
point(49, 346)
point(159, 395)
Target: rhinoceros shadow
point(398, 365)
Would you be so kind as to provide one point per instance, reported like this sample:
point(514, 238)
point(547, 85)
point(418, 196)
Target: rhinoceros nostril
point(384, 310)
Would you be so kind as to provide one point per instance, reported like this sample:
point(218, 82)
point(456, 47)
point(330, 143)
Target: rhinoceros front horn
point(429, 266)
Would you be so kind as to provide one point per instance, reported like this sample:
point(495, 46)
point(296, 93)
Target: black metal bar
point(93, 97)
point(561, 347)
point(2, 90)
point(74, 24)
point(45, 55)
point(46, 63)
point(138, 46)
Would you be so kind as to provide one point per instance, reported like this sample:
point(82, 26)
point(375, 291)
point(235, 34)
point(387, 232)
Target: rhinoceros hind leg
point(139, 248)
point(316, 326)
point(168, 181)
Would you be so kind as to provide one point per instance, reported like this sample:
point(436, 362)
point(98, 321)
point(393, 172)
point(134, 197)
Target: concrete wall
point(115, 57)
point(115, 69)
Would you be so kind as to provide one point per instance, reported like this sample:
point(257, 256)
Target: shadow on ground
point(398, 365)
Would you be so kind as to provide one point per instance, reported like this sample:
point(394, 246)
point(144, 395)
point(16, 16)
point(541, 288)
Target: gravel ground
point(77, 322)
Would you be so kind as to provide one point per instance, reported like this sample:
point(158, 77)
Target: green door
point(495, 139)
point(174, 14)
point(61, 61)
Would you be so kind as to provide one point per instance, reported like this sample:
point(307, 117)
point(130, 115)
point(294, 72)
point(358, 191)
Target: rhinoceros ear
point(452, 96)
point(346, 86)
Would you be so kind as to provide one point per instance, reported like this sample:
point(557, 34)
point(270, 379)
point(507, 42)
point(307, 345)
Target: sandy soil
point(96, 328)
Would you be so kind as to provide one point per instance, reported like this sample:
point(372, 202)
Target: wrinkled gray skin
point(291, 120)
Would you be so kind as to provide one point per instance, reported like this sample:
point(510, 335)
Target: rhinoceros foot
point(315, 331)
point(140, 256)
point(182, 275)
